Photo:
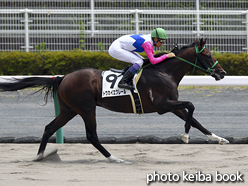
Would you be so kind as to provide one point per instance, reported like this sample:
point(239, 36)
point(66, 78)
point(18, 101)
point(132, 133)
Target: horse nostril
point(223, 72)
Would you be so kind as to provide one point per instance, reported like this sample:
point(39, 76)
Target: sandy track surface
point(82, 164)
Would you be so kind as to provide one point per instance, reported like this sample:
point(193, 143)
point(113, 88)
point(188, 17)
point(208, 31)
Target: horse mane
point(177, 51)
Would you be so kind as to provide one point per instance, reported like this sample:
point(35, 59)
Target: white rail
point(4, 79)
point(210, 81)
point(186, 81)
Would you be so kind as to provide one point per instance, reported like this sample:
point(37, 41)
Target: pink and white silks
point(123, 49)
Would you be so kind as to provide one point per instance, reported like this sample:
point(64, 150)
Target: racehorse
point(81, 91)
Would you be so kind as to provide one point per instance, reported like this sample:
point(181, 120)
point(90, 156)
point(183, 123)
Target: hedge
point(64, 62)
point(50, 63)
point(234, 64)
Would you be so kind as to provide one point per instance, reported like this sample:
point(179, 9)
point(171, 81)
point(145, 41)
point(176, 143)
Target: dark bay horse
point(81, 91)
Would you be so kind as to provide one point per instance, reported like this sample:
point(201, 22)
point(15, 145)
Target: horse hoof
point(185, 138)
point(115, 160)
point(39, 157)
point(223, 141)
point(43, 156)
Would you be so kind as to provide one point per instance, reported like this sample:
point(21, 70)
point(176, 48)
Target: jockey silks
point(125, 48)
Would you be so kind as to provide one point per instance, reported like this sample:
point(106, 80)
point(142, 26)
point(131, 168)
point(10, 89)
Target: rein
point(205, 67)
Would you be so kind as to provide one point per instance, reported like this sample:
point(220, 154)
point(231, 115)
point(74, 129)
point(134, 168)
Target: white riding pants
point(117, 52)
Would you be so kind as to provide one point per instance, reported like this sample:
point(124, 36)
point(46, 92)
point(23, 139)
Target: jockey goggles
point(161, 41)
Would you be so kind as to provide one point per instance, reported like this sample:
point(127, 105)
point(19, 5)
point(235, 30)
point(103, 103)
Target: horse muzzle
point(218, 74)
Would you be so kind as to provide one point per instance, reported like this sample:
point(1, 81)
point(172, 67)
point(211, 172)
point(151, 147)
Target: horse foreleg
point(91, 134)
point(183, 115)
point(173, 105)
point(51, 128)
point(209, 134)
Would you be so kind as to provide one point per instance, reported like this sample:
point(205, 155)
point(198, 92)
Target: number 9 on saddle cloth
point(110, 88)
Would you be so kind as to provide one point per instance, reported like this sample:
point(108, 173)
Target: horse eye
point(210, 57)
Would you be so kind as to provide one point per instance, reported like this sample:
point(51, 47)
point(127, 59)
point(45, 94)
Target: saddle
point(134, 95)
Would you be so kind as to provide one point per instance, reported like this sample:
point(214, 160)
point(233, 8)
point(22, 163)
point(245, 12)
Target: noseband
point(205, 67)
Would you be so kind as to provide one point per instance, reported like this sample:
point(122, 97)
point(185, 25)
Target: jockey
point(125, 48)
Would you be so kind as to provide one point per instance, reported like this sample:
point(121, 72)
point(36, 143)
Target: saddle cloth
point(110, 89)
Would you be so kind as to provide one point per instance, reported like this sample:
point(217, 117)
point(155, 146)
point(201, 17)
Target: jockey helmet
point(159, 33)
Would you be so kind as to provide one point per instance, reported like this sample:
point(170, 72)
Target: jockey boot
point(127, 81)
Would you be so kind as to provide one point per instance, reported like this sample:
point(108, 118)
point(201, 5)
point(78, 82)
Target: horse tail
point(49, 85)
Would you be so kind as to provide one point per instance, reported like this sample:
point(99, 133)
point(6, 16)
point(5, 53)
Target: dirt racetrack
point(156, 164)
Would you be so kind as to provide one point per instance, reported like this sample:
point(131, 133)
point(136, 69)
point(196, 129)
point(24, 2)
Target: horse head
point(207, 61)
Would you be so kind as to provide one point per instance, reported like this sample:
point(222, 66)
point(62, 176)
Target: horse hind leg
point(91, 134)
point(51, 128)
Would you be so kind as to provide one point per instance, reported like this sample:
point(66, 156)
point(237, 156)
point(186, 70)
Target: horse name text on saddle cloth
point(110, 85)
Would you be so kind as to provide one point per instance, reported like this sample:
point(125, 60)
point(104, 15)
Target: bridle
point(204, 66)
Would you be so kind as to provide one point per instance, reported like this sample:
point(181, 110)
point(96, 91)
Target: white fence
point(210, 81)
point(186, 81)
point(94, 24)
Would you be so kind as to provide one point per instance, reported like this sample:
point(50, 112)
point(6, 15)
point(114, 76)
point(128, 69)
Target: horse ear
point(202, 43)
point(205, 40)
